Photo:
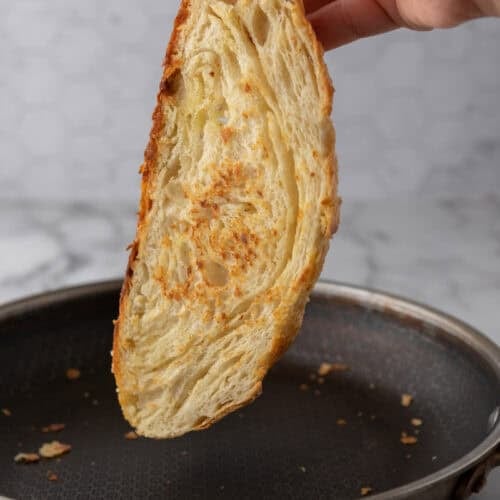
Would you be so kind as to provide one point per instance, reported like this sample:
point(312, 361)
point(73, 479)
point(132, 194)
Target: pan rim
point(466, 335)
point(455, 329)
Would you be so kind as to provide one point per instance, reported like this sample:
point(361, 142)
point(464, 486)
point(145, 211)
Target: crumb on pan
point(26, 458)
point(54, 449)
point(341, 421)
point(321, 380)
point(6, 412)
point(406, 400)
point(326, 368)
point(312, 376)
point(366, 490)
point(302, 468)
point(53, 428)
point(416, 422)
point(405, 439)
point(303, 387)
point(52, 476)
point(95, 402)
point(86, 395)
point(131, 435)
point(73, 373)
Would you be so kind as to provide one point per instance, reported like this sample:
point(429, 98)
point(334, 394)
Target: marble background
point(418, 121)
point(416, 113)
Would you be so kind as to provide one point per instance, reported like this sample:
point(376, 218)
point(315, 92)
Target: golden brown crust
point(290, 320)
point(230, 408)
point(311, 274)
point(170, 66)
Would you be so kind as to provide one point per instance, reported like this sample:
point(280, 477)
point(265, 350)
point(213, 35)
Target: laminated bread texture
point(239, 202)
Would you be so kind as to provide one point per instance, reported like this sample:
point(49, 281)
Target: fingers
point(338, 22)
point(313, 5)
point(343, 21)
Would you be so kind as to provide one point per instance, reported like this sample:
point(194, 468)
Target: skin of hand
point(339, 22)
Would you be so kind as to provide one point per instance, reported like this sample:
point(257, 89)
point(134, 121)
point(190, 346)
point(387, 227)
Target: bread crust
point(170, 65)
point(289, 323)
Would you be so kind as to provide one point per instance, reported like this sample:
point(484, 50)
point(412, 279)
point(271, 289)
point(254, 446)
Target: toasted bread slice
point(238, 206)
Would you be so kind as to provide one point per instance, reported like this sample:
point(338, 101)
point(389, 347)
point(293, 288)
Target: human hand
point(339, 22)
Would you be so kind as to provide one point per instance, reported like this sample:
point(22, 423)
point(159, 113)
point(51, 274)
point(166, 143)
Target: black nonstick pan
point(301, 439)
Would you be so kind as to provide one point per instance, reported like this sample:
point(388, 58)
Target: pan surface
point(300, 439)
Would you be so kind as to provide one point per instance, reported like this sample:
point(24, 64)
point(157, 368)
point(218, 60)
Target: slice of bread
point(239, 201)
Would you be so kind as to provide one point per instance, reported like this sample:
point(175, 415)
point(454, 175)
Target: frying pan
point(300, 439)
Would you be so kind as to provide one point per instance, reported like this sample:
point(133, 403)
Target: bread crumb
point(54, 449)
point(26, 458)
point(416, 422)
point(6, 412)
point(321, 380)
point(406, 400)
point(341, 421)
point(73, 373)
point(303, 387)
point(52, 476)
point(95, 402)
point(326, 368)
point(366, 490)
point(86, 395)
point(131, 435)
point(360, 414)
point(302, 468)
point(53, 428)
point(405, 439)
point(312, 376)
point(372, 386)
